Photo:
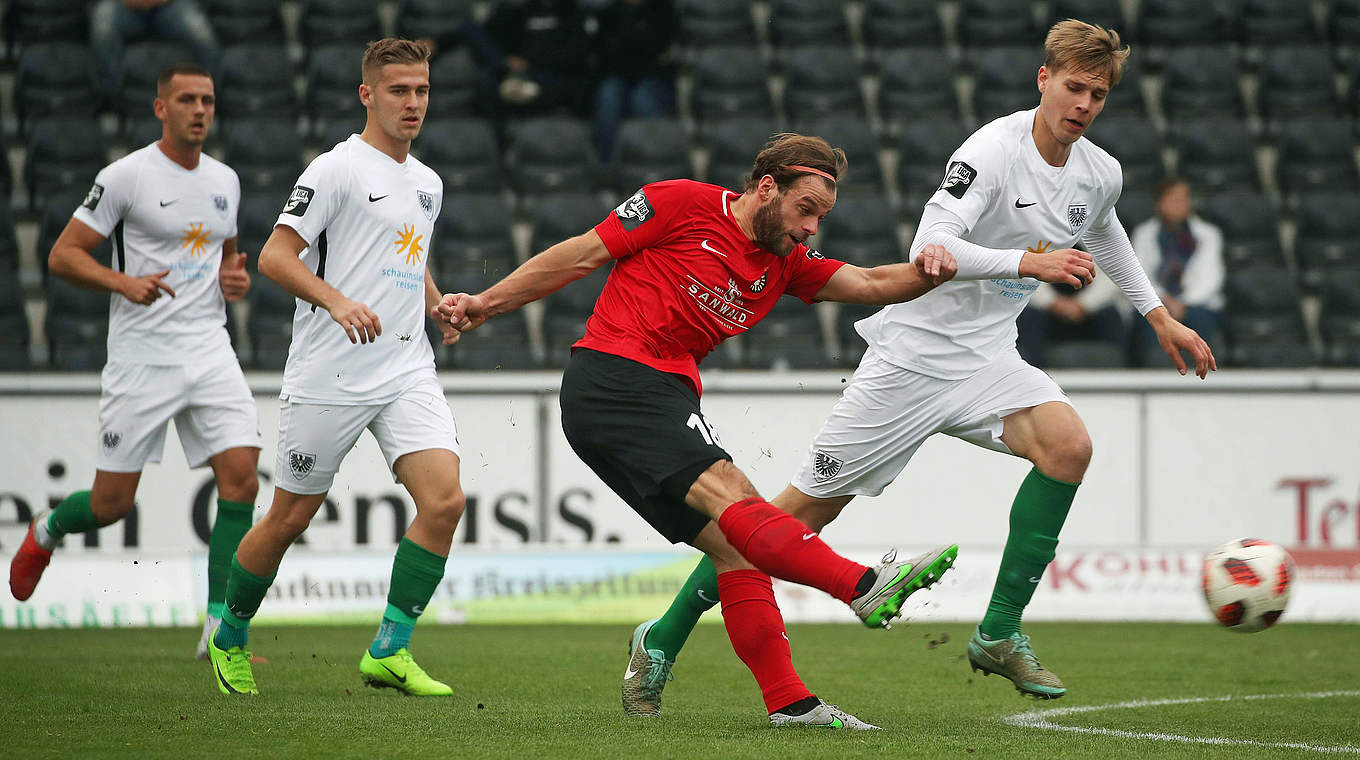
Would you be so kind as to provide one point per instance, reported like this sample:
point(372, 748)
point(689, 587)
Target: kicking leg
point(109, 500)
point(238, 484)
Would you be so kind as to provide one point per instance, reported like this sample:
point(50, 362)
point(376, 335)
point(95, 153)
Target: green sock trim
point(245, 591)
point(699, 595)
point(1037, 516)
point(416, 572)
point(215, 609)
point(72, 515)
point(233, 519)
point(395, 614)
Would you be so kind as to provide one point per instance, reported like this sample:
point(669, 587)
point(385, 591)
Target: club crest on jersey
point(92, 197)
point(299, 200)
point(426, 201)
point(759, 284)
point(220, 203)
point(111, 439)
point(634, 211)
point(301, 463)
point(958, 179)
point(825, 466)
point(1076, 216)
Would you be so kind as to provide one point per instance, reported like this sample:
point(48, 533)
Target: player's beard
point(768, 228)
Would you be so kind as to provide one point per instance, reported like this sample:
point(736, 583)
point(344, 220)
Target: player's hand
point(147, 288)
point(451, 333)
point(360, 323)
point(1175, 337)
point(234, 279)
point(1067, 265)
point(936, 264)
point(461, 311)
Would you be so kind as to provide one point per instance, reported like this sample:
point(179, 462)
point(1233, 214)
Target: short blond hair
point(1073, 44)
point(389, 50)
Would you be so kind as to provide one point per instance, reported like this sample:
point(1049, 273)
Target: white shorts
point(210, 402)
point(314, 438)
point(886, 412)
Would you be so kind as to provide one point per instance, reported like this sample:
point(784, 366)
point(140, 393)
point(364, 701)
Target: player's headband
point(808, 170)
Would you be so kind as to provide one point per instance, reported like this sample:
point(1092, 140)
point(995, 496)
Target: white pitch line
point(1040, 719)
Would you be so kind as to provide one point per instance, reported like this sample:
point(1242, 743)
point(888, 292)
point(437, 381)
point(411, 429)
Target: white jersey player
point(352, 243)
point(171, 214)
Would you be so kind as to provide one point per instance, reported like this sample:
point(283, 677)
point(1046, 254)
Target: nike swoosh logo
point(704, 245)
point(371, 199)
point(902, 573)
point(991, 656)
point(223, 680)
point(400, 679)
point(629, 673)
point(700, 593)
point(1018, 204)
point(167, 203)
point(835, 723)
point(808, 536)
point(1032, 579)
point(419, 609)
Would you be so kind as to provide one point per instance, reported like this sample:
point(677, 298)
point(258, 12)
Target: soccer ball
point(1246, 583)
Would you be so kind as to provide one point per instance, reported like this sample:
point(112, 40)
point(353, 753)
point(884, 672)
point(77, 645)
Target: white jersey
point(368, 222)
point(1008, 197)
point(162, 216)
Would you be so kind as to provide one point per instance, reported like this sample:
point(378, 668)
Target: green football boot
point(647, 674)
point(1013, 658)
point(822, 716)
point(231, 669)
point(898, 580)
point(400, 672)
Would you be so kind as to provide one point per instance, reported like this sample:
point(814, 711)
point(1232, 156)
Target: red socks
point(757, 632)
point(780, 545)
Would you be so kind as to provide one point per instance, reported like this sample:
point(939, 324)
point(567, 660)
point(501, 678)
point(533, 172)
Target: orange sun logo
point(409, 243)
point(1042, 247)
point(196, 239)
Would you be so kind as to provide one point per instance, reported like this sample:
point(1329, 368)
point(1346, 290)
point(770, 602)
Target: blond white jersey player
point(1016, 196)
point(352, 245)
point(171, 214)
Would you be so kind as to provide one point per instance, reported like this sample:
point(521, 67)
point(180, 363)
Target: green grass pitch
point(553, 691)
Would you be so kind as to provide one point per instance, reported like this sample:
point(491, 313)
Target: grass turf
point(553, 691)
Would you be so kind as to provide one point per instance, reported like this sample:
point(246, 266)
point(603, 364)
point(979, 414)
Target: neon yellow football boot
point(400, 672)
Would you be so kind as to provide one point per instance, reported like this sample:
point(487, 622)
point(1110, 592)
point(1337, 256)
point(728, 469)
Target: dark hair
point(1168, 183)
point(187, 69)
point(788, 156)
point(389, 50)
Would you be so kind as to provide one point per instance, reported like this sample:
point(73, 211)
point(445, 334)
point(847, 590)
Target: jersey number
point(698, 423)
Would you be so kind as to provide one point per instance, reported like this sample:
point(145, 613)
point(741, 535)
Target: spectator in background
point(637, 71)
point(538, 56)
point(1183, 256)
point(1060, 312)
point(114, 22)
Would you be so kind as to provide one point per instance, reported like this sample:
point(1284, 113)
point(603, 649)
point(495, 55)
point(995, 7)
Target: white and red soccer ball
point(1246, 583)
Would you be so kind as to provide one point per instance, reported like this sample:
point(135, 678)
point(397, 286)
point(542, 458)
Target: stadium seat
point(1217, 154)
point(27, 21)
point(790, 337)
point(704, 23)
point(246, 21)
point(1297, 81)
point(1200, 82)
point(985, 23)
point(256, 81)
point(333, 86)
point(732, 147)
point(1126, 100)
point(1261, 290)
point(498, 344)
point(54, 162)
point(1251, 232)
point(1328, 234)
point(1276, 22)
point(9, 244)
point(464, 153)
point(260, 209)
point(923, 152)
point(472, 234)
point(1264, 320)
point(916, 83)
point(453, 78)
point(1339, 319)
point(77, 326)
point(730, 81)
point(901, 23)
point(1085, 354)
point(1343, 23)
point(6, 174)
point(551, 153)
point(857, 139)
point(143, 63)
point(1316, 154)
point(649, 150)
point(1005, 80)
point(562, 330)
point(332, 21)
point(822, 80)
point(851, 346)
point(14, 330)
point(264, 152)
point(1134, 141)
point(801, 22)
point(55, 78)
point(1135, 206)
point(270, 324)
point(861, 229)
point(559, 216)
point(417, 19)
point(1166, 23)
point(54, 215)
point(1106, 13)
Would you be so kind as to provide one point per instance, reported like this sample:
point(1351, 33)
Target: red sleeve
point(645, 219)
point(808, 272)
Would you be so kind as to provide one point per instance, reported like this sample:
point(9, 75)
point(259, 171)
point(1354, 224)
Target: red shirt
point(686, 277)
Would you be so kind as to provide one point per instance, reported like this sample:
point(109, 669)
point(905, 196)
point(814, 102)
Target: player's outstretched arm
point(233, 277)
point(549, 271)
point(890, 283)
point(1175, 337)
point(279, 262)
point(70, 259)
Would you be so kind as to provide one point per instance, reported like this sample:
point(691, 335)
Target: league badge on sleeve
point(92, 197)
point(299, 200)
point(634, 211)
point(958, 179)
point(426, 201)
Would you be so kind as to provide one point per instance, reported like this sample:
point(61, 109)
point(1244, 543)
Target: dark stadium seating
point(861, 229)
point(1276, 22)
point(1125, 100)
point(1085, 354)
point(1251, 233)
point(1199, 82)
point(983, 23)
point(732, 146)
point(551, 153)
point(270, 324)
point(1316, 154)
point(1135, 206)
point(802, 22)
point(857, 139)
point(331, 21)
point(923, 150)
point(704, 23)
point(14, 331)
point(1135, 142)
point(1185, 22)
point(1297, 81)
point(265, 152)
point(1328, 233)
point(472, 235)
point(790, 337)
point(260, 208)
point(333, 86)
point(851, 345)
point(54, 162)
point(1340, 316)
point(1343, 22)
point(432, 18)
point(1263, 319)
point(730, 81)
point(1216, 154)
point(822, 80)
point(54, 215)
point(648, 150)
point(143, 63)
point(256, 81)
point(1106, 13)
point(916, 83)
point(55, 78)
point(1005, 80)
point(898, 23)
point(464, 152)
point(498, 344)
point(9, 245)
point(28, 21)
point(76, 325)
point(453, 78)
point(6, 173)
point(246, 21)
point(558, 216)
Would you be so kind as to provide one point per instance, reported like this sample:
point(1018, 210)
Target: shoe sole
point(987, 669)
point(919, 579)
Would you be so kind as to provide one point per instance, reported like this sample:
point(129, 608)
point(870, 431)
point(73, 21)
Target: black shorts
point(641, 431)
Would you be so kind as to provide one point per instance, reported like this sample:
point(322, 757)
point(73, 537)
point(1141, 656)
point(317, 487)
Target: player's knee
point(1070, 456)
point(109, 509)
point(288, 525)
point(448, 510)
point(241, 487)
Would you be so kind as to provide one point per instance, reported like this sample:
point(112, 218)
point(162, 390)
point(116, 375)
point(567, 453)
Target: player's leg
point(238, 484)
